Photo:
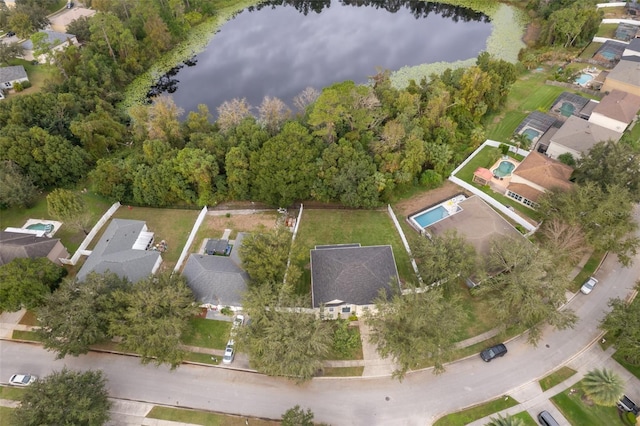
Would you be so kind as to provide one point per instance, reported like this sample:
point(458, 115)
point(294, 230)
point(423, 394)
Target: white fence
point(605, 39)
point(192, 235)
point(620, 21)
point(616, 4)
point(404, 241)
point(82, 250)
point(486, 197)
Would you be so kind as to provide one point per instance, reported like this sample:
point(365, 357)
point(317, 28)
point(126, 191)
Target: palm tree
point(521, 140)
point(604, 387)
point(505, 421)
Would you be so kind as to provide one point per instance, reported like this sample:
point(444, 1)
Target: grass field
point(480, 316)
point(579, 411)
point(556, 377)
point(342, 371)
point(367, 227)
point(171, 225)
point(202, 358)
point(25, 335)
point(11, 392)
point(6, 418)
point(590, 50)
point(607, 30)
point(474, 413)
point(207, 333)
point(205, 418)
point(526, 418)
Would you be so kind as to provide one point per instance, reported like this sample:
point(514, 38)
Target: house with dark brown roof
point(616, 110)
point(346, 279)
point(536, 174)
point(14, 245)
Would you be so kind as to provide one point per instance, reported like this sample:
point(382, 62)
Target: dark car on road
point(627, 404)
point(493, 352)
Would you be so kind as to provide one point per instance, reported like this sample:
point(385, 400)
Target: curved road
point(418, 400)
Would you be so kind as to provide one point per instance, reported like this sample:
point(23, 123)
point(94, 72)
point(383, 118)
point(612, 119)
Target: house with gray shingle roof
point(123, 250)
point(578, 136)
point(217, 281)
point(346, 279)
point(55, 41)
point(14, 245)
point(616, 110)
point(10, 76)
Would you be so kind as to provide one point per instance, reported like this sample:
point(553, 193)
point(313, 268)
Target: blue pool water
point(431, 216)
point(46, 227)
point(504, 169)
point(531, 134)
point(584, 79)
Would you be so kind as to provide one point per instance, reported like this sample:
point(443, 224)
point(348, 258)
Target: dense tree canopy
point(623, 323)
point(16, 189)
point(527, 287)
point(264, 254)
point(77, 315)
point(65, 398)
point(26, 283)
point(417, 326)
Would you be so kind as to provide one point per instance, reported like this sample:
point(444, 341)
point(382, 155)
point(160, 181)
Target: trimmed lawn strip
point(171, 225)
point(202, 358)
point(633, 369)
point(11, 392)
point(480, 317)
point(207, 333)
point(587, 270)
point(30, 336)
point(474, 413)
point(6, 417)
point(590, 50)
point(556, 377)
point(203, 417)
point(526, 418)
point(577, 412)
point(342, 371)
point(607, 30)
point(29, 318)
point(506, 127)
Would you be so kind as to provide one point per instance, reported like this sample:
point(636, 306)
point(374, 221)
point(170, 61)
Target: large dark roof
point(15, 245)
point(537, 120)
point(352, 275)
point(115, 253)
point(217, 280)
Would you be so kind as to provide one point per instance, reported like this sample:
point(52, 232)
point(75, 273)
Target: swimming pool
point(583, 79)
point(46, 227)
point(431, 216)
point(531, 134)
point(504, 169)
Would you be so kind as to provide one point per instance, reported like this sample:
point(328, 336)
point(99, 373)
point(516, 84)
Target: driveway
point(60, 20)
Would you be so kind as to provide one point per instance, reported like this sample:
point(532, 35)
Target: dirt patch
point(427, 198)
point(531, 34)
point(215, 225)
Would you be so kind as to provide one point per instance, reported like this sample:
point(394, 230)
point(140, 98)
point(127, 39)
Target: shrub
point(226, 311)
point(504, 149)
point(18, 87)
point(430, 179)
point(26, 84)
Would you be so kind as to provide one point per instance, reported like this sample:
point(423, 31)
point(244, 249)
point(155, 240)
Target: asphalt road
point(418, 400)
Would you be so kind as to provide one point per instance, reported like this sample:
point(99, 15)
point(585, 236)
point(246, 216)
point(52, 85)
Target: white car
point(22, 379)
point(229, 353)
point(589, 285)
point(238, 321)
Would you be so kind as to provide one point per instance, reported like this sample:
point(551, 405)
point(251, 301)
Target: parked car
point(627, 404)
point(493, 352)
point(22, 379)
point(589, 285)
point(545, 418)
point(229, 353)
point(70, 5)
point(11, 34)
point(238, 321)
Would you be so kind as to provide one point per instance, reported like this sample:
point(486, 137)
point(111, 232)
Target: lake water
point(281, 48)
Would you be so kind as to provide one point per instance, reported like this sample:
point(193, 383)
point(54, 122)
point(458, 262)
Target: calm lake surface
point(280, 48)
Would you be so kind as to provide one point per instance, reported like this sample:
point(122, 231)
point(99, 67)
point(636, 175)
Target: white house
point(578, 136)
point(616, 110)
point(56, 41)
point(10, 76)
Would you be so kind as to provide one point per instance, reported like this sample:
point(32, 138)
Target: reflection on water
point(280, 47)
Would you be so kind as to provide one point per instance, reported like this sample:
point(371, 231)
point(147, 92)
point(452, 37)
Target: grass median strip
point(556, 377)
point(204, 418)
point(579, 410)
point(10, 392)
point(477, 412)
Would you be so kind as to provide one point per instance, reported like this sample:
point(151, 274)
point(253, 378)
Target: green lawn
point(207, 333)
point(11, 392)
point(474, 413)
point(204, 418)
point(171, 225)
point(607, 30)
point(342, 371)
point(38, 75)
point(480, 315)
point(633, 369)
point(367, 227)
point(590, 50)
point(579, 411)
point(6, 417)
point(202, 358)
point(556, 377)
point(25, 335)
point(526, 418)
point(506, 127)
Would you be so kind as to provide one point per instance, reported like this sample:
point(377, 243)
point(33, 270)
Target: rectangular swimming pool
point(431, 216)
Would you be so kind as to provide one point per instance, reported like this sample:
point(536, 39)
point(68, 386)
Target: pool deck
point(56, 225)
point(500, 184)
